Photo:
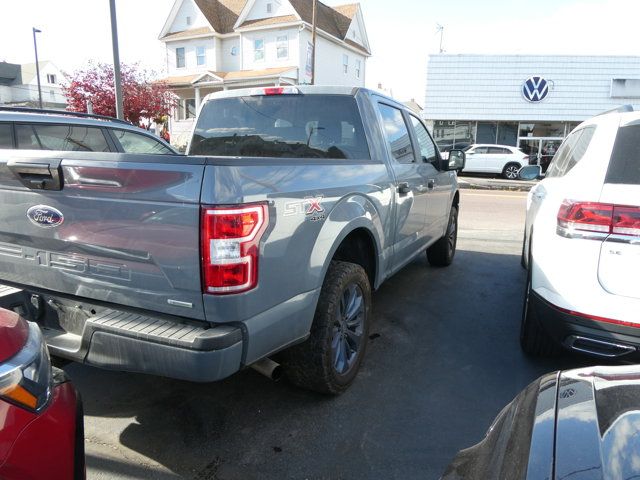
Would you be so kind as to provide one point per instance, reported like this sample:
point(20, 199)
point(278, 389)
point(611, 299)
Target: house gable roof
point(269, 21)
point(221, 14)
point(225, 16)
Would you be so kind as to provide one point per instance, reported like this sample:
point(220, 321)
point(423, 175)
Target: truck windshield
point(292, 126)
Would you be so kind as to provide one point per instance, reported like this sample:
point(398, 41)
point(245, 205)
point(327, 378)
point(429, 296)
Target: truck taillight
point(599, 218)
point(230, 241)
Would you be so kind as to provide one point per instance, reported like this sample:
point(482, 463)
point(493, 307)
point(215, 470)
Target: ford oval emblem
point(45, 216)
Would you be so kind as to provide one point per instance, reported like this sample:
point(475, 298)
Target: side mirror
point(456, 160)
point(530, 172)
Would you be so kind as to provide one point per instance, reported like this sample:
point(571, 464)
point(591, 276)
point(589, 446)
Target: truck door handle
point(403, 188)
point(38, 174)
point(431, 183)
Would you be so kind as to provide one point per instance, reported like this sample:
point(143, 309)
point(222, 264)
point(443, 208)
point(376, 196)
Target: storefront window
point(487, 132)
point(570, 127)
point(508, 134)
point(450, 134)
point(542, 129)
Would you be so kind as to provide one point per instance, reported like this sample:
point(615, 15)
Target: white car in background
point(582, 243)
point(499, 159)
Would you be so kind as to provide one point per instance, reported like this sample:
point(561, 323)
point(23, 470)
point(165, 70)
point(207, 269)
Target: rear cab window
point(286, 126)
point(624, 167)
point(69, 138)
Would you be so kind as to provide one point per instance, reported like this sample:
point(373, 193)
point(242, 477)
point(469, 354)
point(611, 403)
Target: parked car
point(498, 159)
point(41, 423)
point(445, 148)
point(294, 203)
point(34, 129)
point(574, 424)
point(582, 243)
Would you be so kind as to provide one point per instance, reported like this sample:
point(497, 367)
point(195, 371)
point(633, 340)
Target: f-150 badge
point(310, 206)
point(45, 216)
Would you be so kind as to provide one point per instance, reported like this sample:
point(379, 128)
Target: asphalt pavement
point(442, 361)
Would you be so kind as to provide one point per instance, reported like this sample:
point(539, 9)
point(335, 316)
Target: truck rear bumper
point(135, 342)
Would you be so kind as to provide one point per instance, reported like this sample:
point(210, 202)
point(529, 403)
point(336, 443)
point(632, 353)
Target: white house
point(19, 85)
point(215, 45)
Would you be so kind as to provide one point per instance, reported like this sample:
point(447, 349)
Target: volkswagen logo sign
point(535, 88)
point(45, 216)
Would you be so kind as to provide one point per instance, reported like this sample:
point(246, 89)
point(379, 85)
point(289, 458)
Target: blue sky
point(402, 32)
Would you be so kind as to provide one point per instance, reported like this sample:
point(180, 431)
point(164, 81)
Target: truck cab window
point(397, 133)
point(427, 147)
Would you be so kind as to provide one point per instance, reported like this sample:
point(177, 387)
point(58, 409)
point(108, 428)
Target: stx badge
point(310, 206)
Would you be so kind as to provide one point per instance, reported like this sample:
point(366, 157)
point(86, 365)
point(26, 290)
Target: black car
point(577, 424)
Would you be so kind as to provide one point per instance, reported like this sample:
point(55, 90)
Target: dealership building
point(529, 101)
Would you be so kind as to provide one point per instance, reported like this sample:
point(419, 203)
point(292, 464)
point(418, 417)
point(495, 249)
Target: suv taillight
point(230, 241)
point(599, 218)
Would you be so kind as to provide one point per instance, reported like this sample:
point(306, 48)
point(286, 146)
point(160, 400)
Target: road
point(443, 360)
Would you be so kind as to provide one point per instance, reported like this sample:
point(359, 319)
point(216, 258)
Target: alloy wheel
point(348, 329)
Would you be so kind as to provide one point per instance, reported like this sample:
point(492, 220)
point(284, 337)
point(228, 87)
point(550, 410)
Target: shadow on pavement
point(443, 360)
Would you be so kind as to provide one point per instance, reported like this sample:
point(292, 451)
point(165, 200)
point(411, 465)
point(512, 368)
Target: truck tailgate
point(117, 228)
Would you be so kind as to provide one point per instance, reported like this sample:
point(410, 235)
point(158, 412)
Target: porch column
point(197, 98)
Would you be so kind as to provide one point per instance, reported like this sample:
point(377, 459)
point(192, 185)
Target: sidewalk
point(489, 183)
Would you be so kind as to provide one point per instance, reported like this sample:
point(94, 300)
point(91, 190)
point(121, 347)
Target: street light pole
point(116, 60)
point(35, 47)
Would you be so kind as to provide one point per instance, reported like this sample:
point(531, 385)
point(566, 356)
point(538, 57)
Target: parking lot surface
point(443, 359)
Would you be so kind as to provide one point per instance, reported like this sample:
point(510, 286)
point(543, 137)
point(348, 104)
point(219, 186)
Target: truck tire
point(328, 361)
point(441, 253)
point(534, 340)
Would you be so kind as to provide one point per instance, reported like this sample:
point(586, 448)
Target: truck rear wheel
point(441, 253)
point(329, 359)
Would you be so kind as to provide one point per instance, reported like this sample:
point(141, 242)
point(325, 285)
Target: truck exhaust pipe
point(268, 368)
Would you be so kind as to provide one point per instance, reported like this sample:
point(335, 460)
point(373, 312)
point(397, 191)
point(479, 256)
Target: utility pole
point(35, 47)
point(313, 41)
point(116, 60)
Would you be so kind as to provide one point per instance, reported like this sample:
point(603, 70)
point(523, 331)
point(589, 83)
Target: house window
point(189, 108)
point(188, 20)
point(283, 46)
point(180, 57)
point(358, 68)
point(269, 8)
point(345, 63)
point(258, 50)
point(201, 58)
point(51, 78)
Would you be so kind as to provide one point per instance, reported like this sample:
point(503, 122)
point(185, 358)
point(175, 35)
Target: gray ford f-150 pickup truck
point(293, 203)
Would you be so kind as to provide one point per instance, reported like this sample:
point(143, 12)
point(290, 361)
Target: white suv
point(500, 159)
point(582, 243)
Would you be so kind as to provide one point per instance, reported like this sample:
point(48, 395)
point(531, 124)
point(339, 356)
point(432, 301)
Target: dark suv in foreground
point(32, 129)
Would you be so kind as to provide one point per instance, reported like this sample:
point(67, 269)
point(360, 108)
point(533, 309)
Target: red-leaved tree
point(144, 100)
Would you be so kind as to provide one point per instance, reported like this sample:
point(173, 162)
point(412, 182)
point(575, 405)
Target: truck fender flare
point(359, 213)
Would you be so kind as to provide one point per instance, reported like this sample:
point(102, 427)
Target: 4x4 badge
point(45, 216)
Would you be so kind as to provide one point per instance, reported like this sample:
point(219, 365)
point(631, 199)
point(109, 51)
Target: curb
point(510, 188)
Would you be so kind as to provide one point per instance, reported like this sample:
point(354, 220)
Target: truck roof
point(304, 89)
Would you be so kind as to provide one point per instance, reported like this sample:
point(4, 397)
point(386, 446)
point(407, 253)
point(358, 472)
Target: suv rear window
point(289, 126)
point(624, 166)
